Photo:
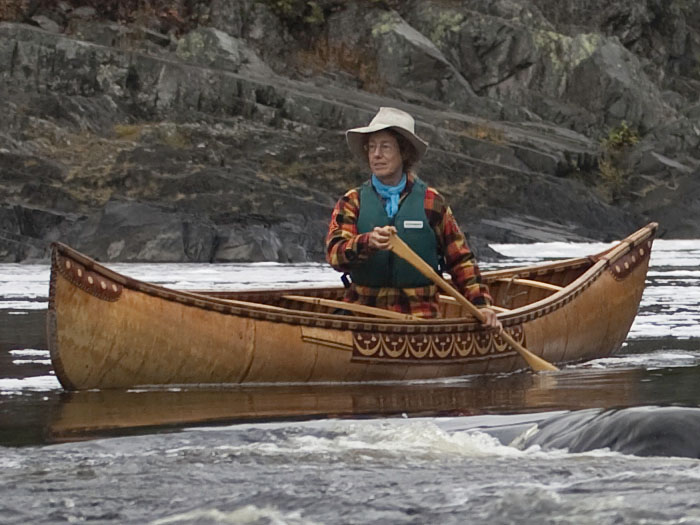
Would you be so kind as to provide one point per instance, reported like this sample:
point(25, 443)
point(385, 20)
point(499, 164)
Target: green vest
point(383, 268)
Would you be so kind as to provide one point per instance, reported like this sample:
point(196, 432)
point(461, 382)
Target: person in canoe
point(395, 200)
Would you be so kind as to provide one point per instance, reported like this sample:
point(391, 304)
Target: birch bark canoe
point(107, 330)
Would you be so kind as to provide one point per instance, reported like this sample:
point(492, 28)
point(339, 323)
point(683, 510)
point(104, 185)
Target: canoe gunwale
point(601, 262)
point(527, 272)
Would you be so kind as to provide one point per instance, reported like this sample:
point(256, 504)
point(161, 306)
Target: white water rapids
point(438, 469)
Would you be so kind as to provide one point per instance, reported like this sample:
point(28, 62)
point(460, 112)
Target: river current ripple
point(616, 441)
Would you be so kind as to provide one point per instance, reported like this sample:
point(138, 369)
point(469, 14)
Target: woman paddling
point(395, 200)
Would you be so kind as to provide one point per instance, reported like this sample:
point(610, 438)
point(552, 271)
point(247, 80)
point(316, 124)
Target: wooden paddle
point(401, 249)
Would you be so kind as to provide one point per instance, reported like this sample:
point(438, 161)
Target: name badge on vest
point(413, 225)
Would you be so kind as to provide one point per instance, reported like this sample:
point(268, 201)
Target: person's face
point(385, 157)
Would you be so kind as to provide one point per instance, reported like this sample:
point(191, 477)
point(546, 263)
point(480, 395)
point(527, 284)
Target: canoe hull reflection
point(85, 414)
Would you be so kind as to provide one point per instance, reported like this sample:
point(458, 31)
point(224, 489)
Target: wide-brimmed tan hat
point(393, 118)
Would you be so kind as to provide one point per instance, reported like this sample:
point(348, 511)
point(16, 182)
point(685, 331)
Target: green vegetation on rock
point(620, 137)
point(445, 23)
point(612, 166)
point(386, 23)
point(565, 52)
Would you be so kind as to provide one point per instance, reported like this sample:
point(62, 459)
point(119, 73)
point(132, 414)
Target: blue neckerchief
point(390, 194)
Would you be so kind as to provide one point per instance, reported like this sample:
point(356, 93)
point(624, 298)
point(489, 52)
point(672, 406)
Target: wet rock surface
point(640, 431)
point(214, 132)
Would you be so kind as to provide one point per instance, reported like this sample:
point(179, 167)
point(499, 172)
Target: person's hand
point(490, 319)
point(379, 237)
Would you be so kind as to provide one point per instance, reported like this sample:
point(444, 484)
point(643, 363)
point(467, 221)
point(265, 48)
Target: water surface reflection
point(64, 416)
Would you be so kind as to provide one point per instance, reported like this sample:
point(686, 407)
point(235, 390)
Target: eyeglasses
point(384, 147)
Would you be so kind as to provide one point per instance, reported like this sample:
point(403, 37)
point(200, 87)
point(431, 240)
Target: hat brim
point(355, 139)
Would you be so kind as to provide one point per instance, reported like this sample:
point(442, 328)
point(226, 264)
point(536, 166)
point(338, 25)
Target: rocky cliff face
point(213, 130)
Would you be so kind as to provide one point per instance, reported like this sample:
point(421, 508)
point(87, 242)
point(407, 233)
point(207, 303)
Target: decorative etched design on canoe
point(89, 281)
point(431, 347)
point(628, 262)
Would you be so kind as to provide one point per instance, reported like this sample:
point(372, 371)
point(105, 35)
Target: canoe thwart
point(534, 284)
point(359, 308)
point(452, 300)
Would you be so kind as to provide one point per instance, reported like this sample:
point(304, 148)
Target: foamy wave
point(11, 386)
point(242, 516)
point(550, 250)
point(662, 359)
point(31, 362)
point(9, 460)
point(684, 274)
point(408, 440)
point(672, 253)
point(23, 305)
point(29, 352)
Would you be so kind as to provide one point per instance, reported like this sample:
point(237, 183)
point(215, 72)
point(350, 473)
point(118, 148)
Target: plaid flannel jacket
point(344, 246)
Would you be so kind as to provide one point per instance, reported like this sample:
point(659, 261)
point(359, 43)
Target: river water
point(615, 440)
